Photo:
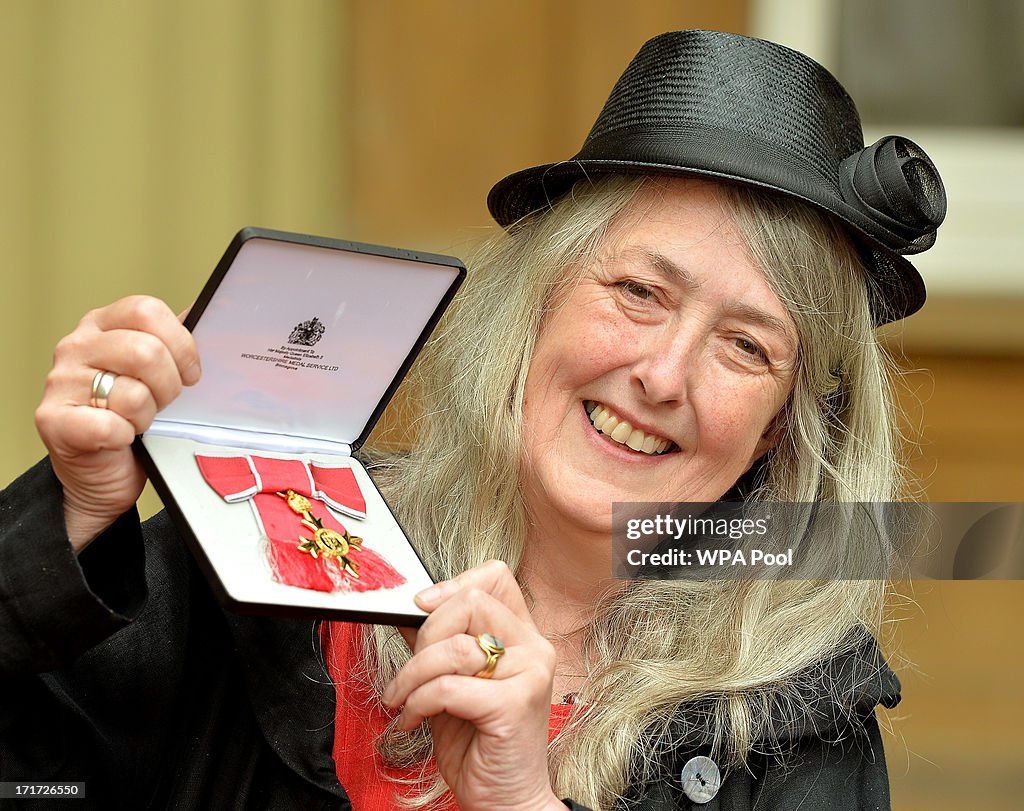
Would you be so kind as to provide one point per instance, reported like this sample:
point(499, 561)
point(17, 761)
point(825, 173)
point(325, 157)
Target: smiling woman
point(684, 311)
point(730, 331)
point(667, 330)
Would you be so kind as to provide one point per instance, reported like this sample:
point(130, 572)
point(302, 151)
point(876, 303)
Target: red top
point(360, 720)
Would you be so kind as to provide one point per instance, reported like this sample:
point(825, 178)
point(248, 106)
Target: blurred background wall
point(139, 136)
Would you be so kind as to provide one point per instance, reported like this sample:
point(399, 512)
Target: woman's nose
point(667, 363)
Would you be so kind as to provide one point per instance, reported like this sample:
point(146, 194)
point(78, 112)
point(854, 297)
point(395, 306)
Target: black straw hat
point(726, 106)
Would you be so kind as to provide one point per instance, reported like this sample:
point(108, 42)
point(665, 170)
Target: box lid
point(303, 340)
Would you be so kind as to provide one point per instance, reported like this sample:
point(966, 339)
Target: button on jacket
point(119, 669)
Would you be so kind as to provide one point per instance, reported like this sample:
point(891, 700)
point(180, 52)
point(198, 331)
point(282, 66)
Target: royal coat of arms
point(307, 333)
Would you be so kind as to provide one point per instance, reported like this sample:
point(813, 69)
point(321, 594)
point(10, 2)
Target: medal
point(292, 497)
point(325, 542)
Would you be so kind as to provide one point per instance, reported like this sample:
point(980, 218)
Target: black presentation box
point(303, 341)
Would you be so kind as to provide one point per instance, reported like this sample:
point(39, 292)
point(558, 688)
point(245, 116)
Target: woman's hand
point(490, 735)
point(141, 341)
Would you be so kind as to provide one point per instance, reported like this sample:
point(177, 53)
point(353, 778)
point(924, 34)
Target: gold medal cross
point(325, 541)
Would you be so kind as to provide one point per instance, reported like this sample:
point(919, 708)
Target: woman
point(683, 312)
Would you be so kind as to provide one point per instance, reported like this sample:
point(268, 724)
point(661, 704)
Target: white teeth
point(622, 432)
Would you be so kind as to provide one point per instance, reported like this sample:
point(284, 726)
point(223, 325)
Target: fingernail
point(388, 692)
point(429, 596)
point(192, 374)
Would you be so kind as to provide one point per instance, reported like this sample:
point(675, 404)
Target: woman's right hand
point(143, 342)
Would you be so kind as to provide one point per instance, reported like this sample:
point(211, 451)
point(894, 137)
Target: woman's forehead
point(680, 225)
point(681, 213)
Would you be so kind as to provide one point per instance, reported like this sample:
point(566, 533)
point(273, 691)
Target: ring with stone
point(493, 650)
point(102, 385)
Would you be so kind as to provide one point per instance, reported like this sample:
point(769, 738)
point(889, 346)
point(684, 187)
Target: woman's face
point(657, 377)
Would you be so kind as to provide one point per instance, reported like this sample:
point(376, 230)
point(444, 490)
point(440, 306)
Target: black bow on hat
point(741, 109)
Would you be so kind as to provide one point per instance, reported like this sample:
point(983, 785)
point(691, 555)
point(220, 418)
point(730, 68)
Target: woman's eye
point(750, 348)
point(636, 290)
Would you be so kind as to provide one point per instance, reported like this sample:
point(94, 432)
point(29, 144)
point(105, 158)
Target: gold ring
point(493, 650)
point(102, 385)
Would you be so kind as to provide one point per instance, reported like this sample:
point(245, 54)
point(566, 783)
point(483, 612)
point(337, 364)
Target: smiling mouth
point(620, 432)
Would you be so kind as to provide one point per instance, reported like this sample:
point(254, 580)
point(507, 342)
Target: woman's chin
point(586, 510)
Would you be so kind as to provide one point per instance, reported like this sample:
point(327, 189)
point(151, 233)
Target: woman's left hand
point(490, 735)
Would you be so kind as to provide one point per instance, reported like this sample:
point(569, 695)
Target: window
point(950, 75)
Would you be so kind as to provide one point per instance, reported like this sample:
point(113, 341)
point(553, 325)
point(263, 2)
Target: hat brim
point(899, 290)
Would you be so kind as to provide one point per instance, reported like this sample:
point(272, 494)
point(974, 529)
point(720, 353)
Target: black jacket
point(118, 668)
